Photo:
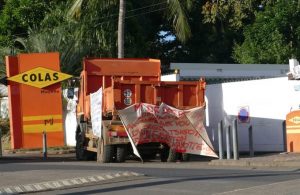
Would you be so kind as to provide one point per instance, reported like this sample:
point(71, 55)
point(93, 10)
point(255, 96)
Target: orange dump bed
point(102, 73)
point(129, 81)
point(182, 95)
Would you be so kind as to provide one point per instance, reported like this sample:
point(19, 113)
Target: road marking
point(92, 179)
point(83, 180)
point(66, 183)
point(126, 174)
point(28, 188)
point(8, 190)
point(18, 189)
point(109, 176)
point(36, 187)
point(56, 184)
point(100, 178)
point(48, 185)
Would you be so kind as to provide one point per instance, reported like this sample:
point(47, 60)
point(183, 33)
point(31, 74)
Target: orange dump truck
point(124, 83)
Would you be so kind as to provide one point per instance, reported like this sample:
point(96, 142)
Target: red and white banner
point(182, 130)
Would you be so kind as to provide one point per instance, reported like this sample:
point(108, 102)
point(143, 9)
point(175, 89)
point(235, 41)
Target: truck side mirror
point(70, 93)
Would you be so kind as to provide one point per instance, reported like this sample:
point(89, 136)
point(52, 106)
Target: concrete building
point(220, 73)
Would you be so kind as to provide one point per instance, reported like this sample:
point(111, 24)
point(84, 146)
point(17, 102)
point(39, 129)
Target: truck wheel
point(81, 153)
point(185, 157)
point(121, 153)
point(164, 153)
point(149, 156)
point(173, 155)
point(105, 153)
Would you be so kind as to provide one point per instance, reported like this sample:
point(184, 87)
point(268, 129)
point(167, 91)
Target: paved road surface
point(163, 178)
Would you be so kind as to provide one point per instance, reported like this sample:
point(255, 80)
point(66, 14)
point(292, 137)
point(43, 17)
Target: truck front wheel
point(105, 153)
point(121, 153)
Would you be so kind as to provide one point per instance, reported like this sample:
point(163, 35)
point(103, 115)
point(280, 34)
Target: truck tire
point(81, 153)
point(173, 155)
point(164, 153)
point(105, 153)
point(121, 153)
point(185, 157)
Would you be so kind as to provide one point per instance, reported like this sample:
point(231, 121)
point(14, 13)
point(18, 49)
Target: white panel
point(268, 100)
point(170, 77)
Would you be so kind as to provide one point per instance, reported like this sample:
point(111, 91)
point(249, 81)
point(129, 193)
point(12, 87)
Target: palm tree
point(121, 24)
point(176, 13)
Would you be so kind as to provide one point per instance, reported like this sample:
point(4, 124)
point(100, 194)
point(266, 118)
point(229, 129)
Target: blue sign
point(243, 115)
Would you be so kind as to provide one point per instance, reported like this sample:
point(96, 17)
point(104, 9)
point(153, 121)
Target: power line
point(147, 12)
point(148, 6)
point(133, 10)
point(126, 17)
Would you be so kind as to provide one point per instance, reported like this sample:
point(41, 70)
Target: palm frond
point(75, 10)
point(178, 16)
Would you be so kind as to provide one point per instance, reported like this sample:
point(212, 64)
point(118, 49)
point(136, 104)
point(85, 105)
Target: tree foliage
point(273, 37)
point(212, 31)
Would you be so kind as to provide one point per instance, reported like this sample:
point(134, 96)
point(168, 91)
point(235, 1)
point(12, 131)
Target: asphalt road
point(197, 181)
point(195, 177)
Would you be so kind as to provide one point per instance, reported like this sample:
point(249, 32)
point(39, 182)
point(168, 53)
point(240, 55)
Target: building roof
point(236, 71)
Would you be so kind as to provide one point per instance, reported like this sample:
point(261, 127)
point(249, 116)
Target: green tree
point(176, 12)
point(231, 13)
point(74, 37)
point(274, 37)
point(18, 16)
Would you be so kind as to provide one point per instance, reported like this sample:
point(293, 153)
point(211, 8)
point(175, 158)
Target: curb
point(58, 184)
point(51, 152)
point(243, 163)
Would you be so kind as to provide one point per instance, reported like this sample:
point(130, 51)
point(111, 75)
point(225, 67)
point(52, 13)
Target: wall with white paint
point(268, 101)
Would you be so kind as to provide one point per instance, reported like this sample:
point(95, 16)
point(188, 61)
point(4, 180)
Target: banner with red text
point(182, 130)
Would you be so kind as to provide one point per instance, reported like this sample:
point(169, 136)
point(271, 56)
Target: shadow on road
point(171, 181)
point(21, 158)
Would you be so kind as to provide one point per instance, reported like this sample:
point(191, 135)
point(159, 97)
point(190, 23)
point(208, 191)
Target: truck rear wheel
point(105, 153)
point(164, 153)
point(121, 153)
point(185, 157)
point(173, 155)
point(81, 153)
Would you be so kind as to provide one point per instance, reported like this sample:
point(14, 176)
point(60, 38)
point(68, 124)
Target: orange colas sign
point(293, 131)
point(35, 99)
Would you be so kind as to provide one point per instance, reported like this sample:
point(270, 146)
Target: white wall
point(268, 101)
point(170, 77)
